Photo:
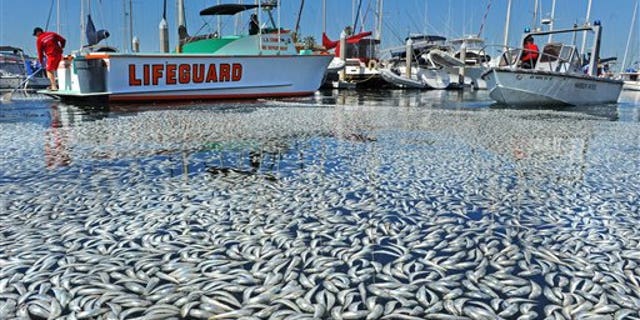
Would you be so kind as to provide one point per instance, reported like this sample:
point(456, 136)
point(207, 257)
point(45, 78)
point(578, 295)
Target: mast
point(324, 16)
point(534, 23)
point(124, 25)
point(58, 17)
point(219, 26)
point(584, 34)
point(355, 20)
point(82, 24)
point(164, 30)
point(553, 17)
point(353, 11)
point(131, 24)
point(631, 27)
point(299, 16)
point(506, 26)
point(379, 22)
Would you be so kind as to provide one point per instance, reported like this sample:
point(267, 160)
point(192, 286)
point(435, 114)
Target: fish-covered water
point(344, 205)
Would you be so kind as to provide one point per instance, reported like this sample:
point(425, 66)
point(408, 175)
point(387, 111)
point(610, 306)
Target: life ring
point(373, 64)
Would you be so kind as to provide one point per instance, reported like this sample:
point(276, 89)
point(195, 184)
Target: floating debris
point(321, 213)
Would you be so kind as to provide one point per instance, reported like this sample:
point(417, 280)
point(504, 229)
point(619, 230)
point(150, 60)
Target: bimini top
point(230, 9)
point(425, 37)
point(10, 48)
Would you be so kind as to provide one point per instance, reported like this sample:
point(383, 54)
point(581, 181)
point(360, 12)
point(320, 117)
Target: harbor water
point(343, 205)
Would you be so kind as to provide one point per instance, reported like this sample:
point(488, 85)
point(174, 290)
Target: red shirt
point(530, 52)
point(51, 44)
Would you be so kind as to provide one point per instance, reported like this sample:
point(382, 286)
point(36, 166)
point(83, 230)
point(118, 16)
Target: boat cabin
point(474, 50)
point(559, 57)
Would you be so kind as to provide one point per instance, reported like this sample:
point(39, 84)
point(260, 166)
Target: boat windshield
point(12, 68)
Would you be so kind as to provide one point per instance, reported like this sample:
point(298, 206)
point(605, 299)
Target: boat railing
point(554, 57)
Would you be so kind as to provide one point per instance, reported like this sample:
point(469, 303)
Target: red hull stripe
point(124, 98)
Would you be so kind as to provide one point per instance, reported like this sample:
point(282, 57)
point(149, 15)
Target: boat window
point(550, 52)
point(566, 53)
point(12, 68)
point(510, 57)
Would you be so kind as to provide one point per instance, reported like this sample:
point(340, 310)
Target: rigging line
point(364, 18)
point(413, 24)
point(393, 32)
point(484, 19)
point(46, 27)
point(355, 23)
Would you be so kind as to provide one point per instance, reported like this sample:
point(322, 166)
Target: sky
point(451, 18)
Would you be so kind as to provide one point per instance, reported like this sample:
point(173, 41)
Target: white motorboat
point(631, 80)
point(423, 72)
point(471, 51)
point(260, 65)
point(18, 71)
point(558, 76)
point(420, 77)
point(631, 74)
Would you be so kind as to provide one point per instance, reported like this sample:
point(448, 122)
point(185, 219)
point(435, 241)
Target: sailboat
point(211, 66)
point(631, 74)
point(558, 76)
point(355, 63)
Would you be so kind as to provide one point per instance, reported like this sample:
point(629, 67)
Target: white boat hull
point(151, 77)
point(542, 88)
point(631, 85)
point(473, 73)
point(18, 82)
point(420, 78)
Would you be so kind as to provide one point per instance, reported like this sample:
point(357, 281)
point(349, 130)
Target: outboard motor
point(93, 36)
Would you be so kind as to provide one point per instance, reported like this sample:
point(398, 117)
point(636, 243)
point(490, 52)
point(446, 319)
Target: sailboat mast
point(379, 24)
point(355, 20)
point(324, 16)
point(82, 23)
point(131, 25)
point(58, 17)
point(584, 33)
point(631, 27)
point(124, 25)
point(506, 26)
point(353, 11)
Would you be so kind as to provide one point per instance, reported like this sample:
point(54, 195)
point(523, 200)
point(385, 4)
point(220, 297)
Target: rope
point(484, 19)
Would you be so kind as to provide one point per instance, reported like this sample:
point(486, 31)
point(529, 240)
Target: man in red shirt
point(50, 44)
point(529, 54)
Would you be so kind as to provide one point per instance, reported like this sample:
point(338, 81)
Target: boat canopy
point(230, 9)
point(426, 37)
point(467, 40)
point(10, 49)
